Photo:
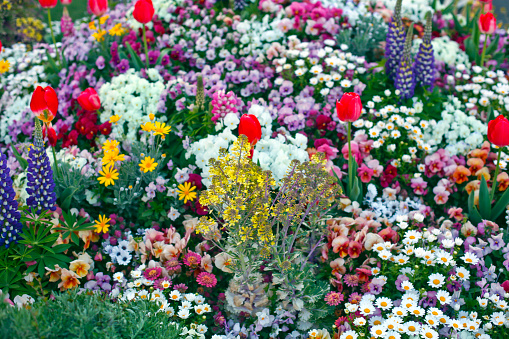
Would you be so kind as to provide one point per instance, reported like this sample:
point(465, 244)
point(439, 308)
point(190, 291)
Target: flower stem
point(483, 55)
point(495, 182)
point(145, 44)
point(350, 168)
point(53, 37)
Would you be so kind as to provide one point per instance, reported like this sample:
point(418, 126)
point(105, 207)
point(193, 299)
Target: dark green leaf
point(484, 200)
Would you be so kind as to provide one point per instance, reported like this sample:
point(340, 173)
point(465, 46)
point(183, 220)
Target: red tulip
point(89, 100)
point(66, 2)
point(52, 135)
point(0, 46)
point(250, 127)
point(349, 108)
point(143, 11)
point(44, 103)
point(98, 7)
point(48, 3)
point(498, 131)
point(487, 23)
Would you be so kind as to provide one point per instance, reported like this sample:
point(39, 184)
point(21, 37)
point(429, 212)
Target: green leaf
point(75, 238)
point(52, 62)
point(500, 206)
point(484, 200)
point(473, 214)
point(66, 197)
point(493, 45)
point(163, 53)
point(22, 161)
point(135, 58)
point(355, 190)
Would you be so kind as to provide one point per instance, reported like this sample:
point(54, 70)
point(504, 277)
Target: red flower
point(98, 7)
point(322, 121)
point(0, 46)
point(505, 286)
point(143, 11)
point(89, 100)
point(487, 23)
point(48, 3)
point(498, 131)
point(349, 108)
point(71, 139)
point(66, 2)
point(52, 135)
point(44, 103)
point(250, 127)
point(105, 128)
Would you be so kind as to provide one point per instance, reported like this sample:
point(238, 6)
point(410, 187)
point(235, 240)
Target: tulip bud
point(98, 7)
point(143, 11)
point(89, 100)
point(48, 3)
point(349, 108)
point(487, 23)
point(0, 46)
point(66, 2)
point(250, 127)
point(52, 135)
point(44, 103)
point(498, 131)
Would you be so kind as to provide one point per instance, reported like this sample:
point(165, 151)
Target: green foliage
point(71, 185)
point(73, 315)
point(20, 22)
point(369, 32)
point(485, 210)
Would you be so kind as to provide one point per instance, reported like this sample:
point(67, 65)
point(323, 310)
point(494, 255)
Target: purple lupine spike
point(10, 225)
point(405, 76)
point(66, 23)
point(424, 67)
point(395, 42)
point(40, 183)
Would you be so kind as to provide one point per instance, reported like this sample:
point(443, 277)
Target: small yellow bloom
point(103, 19)
point(185, 192)
point(92, 26)
point(151, 116)
point(110, 157)
point(102, 225)
point(115, 118)
point(109, 175)
point(110, 145)
point(117, 30)
point(147, 127)
point(160, 128)
point(99, 35)
point(4, 66)
point(148, 165)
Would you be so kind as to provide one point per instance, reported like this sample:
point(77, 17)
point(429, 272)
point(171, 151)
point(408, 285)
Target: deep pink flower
point(365, 173)
point(334, 298)
point(206, 279)
point(192, 259)
point(152, 273)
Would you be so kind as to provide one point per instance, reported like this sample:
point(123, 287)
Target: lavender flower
point(9, 215)
point(395, 42)
point(496, 242)
point(405, 76)
point(40, 186)
point(424, 67)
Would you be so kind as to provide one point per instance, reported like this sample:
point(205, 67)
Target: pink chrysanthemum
point(173, 266)
point(206, 279)
point(181, 288)
point(334, 298)
point(351, 280)
point(355, 298)
point(152, 273)
point(192, 259)
point(162, 284)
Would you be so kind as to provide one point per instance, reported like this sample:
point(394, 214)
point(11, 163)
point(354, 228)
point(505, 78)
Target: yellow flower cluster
point(111, 155)
point(4, 66)
point(5, 5)
point(241, 194)
point(30, 28)
point(118, 30)
point(157, 128)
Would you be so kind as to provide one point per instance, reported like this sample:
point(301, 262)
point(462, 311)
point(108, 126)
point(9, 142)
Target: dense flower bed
point(262, 169)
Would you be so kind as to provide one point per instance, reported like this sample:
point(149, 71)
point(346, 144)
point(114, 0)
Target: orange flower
point(480, 153)
point(461, 174)
point(79, 267)
point(473, 185)
point(475, 164)
point(503, 181)
point(485, 172)
point(69, 280)
point(54, 274)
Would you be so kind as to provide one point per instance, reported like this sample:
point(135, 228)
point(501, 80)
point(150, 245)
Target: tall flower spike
point(424, 67)
point(405, 76)
point(200, 93)
point(40, 186)
point(10, 225)
point(395, 42)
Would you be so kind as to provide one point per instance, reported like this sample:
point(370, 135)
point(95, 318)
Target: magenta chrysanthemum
point(351, 280)
point(172, 266)
point(152, 273)
point(206, 279)
point(334, 298)
point(181, 288)
point(192, 259)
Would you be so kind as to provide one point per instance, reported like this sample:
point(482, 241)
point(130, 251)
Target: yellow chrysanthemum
point(4, 66)
point(148, 165)
point(112, 156)
point(109, 175)
point(160, 128)
point(110, 145)
point(185, 192)
point(147, 127)
point(102, 225)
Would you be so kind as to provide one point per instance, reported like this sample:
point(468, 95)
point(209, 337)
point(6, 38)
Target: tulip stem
point(145, 44)
point(350, 167)
point(495, 181)
point(53, 37)
point(483, 55)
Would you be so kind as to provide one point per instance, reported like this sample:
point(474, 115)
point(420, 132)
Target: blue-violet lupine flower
point(395, 42)
point(40, 185)
point(10, 225)
point(405, 76)
point(424, 67)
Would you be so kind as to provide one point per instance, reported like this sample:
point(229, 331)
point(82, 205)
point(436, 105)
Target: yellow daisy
point(109, 175)
point(160, 128)
point(110, 157)
point(148, 165)
point(110, 145)
point(115, 118)
point(102, 225)
point(4, 66)
point(185, 192)
point(103, 19)
point(147, 127)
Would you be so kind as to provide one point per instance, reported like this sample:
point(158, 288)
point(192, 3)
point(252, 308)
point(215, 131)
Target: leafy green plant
point(486, 211)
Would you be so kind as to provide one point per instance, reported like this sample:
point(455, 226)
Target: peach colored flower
point(69, 280)
point(461, 174)
point(79, 267)
point(503, 181)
